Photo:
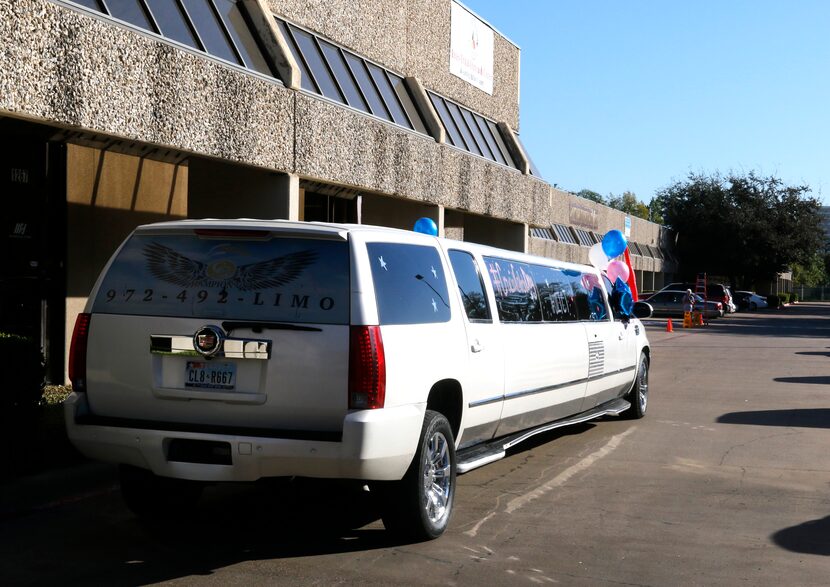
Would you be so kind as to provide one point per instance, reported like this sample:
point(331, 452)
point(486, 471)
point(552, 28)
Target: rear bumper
point(375, 445)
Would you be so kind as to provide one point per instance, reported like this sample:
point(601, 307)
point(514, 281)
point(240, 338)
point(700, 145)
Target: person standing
point(689, 301)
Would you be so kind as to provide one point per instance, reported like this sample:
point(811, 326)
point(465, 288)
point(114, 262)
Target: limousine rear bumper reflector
point(488, 452)
point(367, 368)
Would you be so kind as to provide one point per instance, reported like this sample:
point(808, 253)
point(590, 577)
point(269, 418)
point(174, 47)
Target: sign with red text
point(471, 48)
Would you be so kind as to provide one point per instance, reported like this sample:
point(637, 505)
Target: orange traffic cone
point(669, 327)
point(700, 319)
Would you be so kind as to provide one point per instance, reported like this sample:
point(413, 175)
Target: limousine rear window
point(218, 276)
point(410, 285)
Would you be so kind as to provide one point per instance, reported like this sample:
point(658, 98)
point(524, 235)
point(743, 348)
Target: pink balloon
point(617, 269)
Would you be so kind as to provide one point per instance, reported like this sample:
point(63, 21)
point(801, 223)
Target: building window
point(563, 234)
point(539, 232)
point(635, 249)
point(534, 171)
point(471, 132)
point(584, 237)
point(655, 252)
point(340, 75)
point(219, 28)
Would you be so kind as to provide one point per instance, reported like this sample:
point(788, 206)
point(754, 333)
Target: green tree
point(629, 204)
point(745, 227)
point(813, 272)
point(655, 211)
point(591, 195)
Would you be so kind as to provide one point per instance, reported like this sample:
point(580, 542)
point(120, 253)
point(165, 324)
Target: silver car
point(670, 303)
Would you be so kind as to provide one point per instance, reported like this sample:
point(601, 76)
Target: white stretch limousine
point(220, 350)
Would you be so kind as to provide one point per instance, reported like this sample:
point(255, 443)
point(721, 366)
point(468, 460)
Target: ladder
point(700, 289)
point(700, 286)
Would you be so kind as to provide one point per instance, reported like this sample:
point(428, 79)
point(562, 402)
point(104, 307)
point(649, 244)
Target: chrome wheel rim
point(642, 386)
point(437, 478)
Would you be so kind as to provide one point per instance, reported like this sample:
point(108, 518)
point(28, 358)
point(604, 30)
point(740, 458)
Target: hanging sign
point(627, 231)
point(471, 48)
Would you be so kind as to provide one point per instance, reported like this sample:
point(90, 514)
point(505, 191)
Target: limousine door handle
point(476, 347)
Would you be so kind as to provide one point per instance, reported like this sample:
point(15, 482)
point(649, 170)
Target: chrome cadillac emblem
point(208, 340)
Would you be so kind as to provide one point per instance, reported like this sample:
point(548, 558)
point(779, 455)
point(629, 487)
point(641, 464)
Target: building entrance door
point(32, 284)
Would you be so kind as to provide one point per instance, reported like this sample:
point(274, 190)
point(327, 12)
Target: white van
point(218, 350)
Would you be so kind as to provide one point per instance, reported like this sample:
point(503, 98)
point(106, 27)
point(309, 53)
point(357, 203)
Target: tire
point(152, 497)
point(638, 396)
point(419, 506)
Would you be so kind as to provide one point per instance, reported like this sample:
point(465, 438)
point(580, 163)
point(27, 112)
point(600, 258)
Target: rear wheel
point(151, 496)
point(638, 396)
point(419, 506)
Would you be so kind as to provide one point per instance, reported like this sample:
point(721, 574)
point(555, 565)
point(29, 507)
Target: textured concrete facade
point(347, 147)
point(69, 69)
point(62, 66)
point(412, 37)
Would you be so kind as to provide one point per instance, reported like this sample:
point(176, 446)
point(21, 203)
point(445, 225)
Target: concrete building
point(115, 113)
point(824, 211)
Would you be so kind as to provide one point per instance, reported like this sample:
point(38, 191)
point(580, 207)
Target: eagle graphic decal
point(167, 265)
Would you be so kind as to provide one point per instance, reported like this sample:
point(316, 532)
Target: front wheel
point(638, 396)
point(419, 506)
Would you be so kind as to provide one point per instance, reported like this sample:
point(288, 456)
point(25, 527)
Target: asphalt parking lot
point(726, 481)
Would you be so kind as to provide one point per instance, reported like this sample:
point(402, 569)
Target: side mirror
point(643, 310)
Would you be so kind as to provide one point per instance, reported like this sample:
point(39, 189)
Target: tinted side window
point(470, 286)
point(589, 292)
point(556, 295)
point(610, 288)
point(516, 295)
point(410, 285)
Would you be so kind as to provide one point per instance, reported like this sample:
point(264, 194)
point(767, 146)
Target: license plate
point(210, 375)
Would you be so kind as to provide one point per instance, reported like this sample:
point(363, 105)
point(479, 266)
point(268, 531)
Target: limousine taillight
point(367, 368)
point(77, 352)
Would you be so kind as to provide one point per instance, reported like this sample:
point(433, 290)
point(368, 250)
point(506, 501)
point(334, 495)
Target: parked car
point(220, 350)
point(749, 300)
point(671, 303)
point(729, 306)
point(715, 292)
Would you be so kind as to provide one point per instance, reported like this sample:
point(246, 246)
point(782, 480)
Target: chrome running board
point(488, 452)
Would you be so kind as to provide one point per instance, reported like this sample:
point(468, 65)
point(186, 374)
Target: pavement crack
point(753, 441)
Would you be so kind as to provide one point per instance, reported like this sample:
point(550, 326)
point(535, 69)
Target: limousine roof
point(341, 230)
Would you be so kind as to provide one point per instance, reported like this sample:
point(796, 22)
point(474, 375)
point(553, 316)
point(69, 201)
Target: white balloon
point(598, 257)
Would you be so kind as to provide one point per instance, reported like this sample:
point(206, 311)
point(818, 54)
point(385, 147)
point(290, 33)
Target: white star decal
point(382, 263)
point(434, 305)
point(434, 272)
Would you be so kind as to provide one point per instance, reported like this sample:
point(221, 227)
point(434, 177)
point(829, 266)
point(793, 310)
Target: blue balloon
point(623, 299)
point(426, 226)
point(614, 243)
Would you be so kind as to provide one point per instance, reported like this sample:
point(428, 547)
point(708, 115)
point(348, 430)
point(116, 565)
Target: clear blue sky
point(623, 95)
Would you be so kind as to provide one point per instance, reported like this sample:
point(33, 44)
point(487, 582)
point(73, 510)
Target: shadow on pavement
point(234, 523)
point(811, 537)
point(804, 320)
point(813, 379)
point(814, 353)
point(814, 418)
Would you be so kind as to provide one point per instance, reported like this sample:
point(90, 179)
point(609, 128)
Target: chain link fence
point(805, 293)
